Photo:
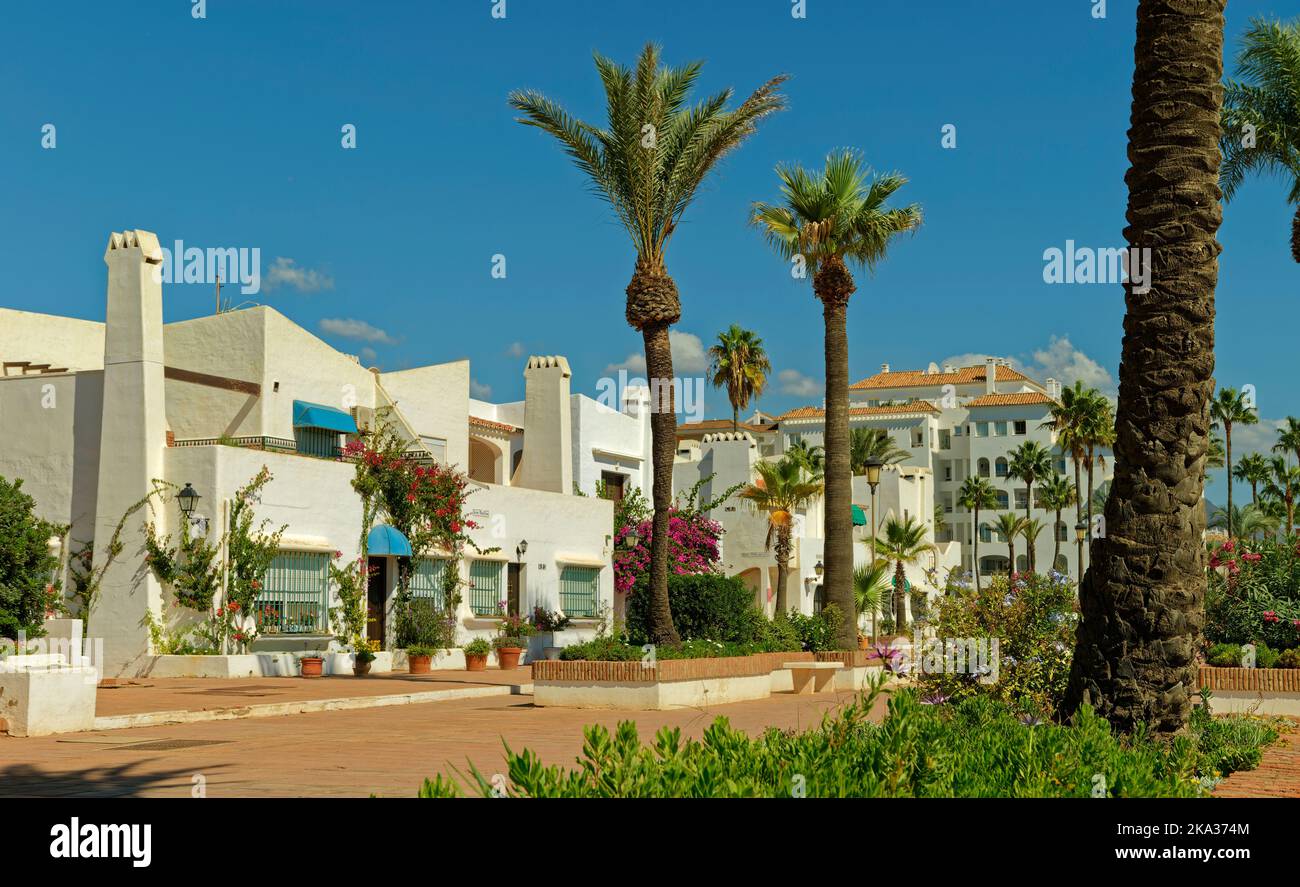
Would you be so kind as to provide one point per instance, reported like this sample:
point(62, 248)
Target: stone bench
point(42, 694)
point(812, 677)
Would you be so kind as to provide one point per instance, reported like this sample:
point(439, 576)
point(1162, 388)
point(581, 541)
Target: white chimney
point(949, 368)
point(990, 375)
point(547, 462)
point(1053, 389)
point(884, 367)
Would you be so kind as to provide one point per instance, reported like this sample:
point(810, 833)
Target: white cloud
point(1059, 360)
point(795, 383)
point(478, 390)
point(1257, 438)
point(285, 272)
point(689, 356)
point(515, 350)
point(368, 356)
point(351, 328)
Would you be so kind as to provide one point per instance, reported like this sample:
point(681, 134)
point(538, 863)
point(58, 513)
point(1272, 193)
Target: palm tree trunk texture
point(1227, 456)
point(782, 568)
point(1030, 544)
point(663, 437)
point(1142, 599)
point(1295, 236)
point(976, 544)
point(1011, 558)
point(834, 284)
point(1056, 534)
point(900, 598)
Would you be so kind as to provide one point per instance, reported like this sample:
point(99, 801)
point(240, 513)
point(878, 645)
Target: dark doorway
point(512, 589)
point(613, 485)
point(376, 598)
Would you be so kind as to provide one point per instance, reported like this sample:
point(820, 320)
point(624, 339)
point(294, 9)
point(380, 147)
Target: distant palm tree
point(1056, 495)
point(810, 456)
point(1072, 417)
point(1252, 469)
point(1266, 99)
point(1031, 461)
point(1229, 407)
point(976, 494)
point(872, 443)
point(903, 543)
point(1216, 456)
point(1251, 521)
point(1031, 530)
point(781, 489)
point(655, 152)
point(1288, 438)
point(738, 362)
point(826, 220)
point(1099, 432)
point(870, 585)
point(1009, 526)
point(1282, 487)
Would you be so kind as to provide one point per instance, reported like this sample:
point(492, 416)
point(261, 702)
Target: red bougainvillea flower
point(1270, 616)
point(1251, 556)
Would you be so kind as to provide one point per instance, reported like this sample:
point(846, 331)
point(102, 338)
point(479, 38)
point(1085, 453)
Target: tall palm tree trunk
point(1011, 558)
point(1056, 534)
point(834, 284)
point(1227, 457)
point(735, 420)
point(1031, 545)
point(900, 597)
point(782, 569)
point(1078, 491)
point(1295, 236)
point(976, 545)
point(1142, 600)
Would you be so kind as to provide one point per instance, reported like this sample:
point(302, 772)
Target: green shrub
point(603, 649)
point(1227, 744)
point(421, 622)
point(816, 632)
point(1288, 659)
point(704, 605)
point(1034, 622)
point(978, 748)
point(1254, 594)
point(1224, 656)
point(1265, 656)
point(477, 647)
point(26, 564)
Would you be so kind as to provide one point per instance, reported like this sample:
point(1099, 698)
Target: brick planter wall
point(664, 670)
point(1267, 680)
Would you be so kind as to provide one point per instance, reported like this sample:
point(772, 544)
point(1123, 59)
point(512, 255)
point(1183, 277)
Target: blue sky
point(226, 132)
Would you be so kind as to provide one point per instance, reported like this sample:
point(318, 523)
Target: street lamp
point(631, 539)
point(820, 569)
point(1080, 534)
point(188, 498)
point(873, 480)
point(521, 549)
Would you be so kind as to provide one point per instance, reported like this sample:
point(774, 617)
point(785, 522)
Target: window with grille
point(317, 442)
point(579, 587)
point(427, 577)
point(295, 594)
point(485, 587)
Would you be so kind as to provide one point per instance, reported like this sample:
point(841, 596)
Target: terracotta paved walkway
point(1278, 774)
point(196, 694)
point(385, 751)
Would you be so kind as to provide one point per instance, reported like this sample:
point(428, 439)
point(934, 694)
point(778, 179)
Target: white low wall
point(576, 633)
point(38, 698)
point(254, 665)
point(653, 696)
point(1259, 702)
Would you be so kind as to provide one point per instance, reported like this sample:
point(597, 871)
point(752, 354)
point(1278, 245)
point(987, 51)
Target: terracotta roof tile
point(1022, 398)
point(919, 406)
point(920, 378)
point(709, 426)
point(494, 426)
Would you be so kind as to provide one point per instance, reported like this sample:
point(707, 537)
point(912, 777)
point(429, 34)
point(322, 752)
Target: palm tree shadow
point(123, 780)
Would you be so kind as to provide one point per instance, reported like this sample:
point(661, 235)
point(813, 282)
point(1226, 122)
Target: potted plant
point(476, 654)
point(547, 624)
point(418, 658)
point(361, 664)
point(509, 649)
point(313, 664)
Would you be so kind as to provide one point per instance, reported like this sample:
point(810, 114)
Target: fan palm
point(872, 443)
point(1230, 408)
point(1252, 469)
point(1261, 113)
point(1288, 438)
point(1056, 495)
point(1010, 525)
point(781, 488)
point(1282, 488)
point(826, 220)
point(1251, 521)
point(738, 362)
point(1031, 530)
point(870, 585)
point(647, 162)
point(810, 456)
point(1142, 600)
point(1030, 462)
point(1072, 417)
point(976, 494)
point(903, 543)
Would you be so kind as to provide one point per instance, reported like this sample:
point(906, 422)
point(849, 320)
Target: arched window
point(984, 467)
point(1000, 467)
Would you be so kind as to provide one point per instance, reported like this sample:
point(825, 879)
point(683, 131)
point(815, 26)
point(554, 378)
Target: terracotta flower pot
point(360, 668)
point(864, 643)
point(312, 666)
point(508, 657)
point(419, 664)
point(476, 661)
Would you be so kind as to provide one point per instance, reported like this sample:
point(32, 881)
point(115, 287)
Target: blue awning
point(859, 517)
point(383, 540)
point(315, 415)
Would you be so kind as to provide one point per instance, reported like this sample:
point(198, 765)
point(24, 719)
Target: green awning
point(859, 517)
point(315, 415)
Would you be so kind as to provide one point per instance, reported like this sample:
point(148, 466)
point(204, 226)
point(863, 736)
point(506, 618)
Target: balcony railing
point(284, 445)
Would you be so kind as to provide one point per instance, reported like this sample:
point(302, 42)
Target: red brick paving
point(198, 694)
point(385, 751)
point(1278, 774)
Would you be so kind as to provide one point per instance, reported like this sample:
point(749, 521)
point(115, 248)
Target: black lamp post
point(1080, 534)
point(873, 480)
point(188, 498)
point(820, 569)
point(631, 539)
point(520, 550)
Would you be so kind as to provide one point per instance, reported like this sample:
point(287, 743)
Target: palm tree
point(738, 362)
point(1099, 432)
point(1072, 417)
point(872, 443)
point(1266, 99)
point(1031, 530)
point(1288, 438)
point(1216, 456)
point(827, 219)
point(782, 488)
point(870, 585)
point(1009, 526)
point(648, 163)
point(1029, 462)
point(976, 493)
point(1142, 600)
point(1056, 495)
point(1252, 469)
point(1282, 487)
point(810, 456)
point(903, 543)
point(1251, 521)
point(1230, 408)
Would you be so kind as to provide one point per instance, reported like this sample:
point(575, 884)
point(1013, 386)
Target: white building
point(94, 412)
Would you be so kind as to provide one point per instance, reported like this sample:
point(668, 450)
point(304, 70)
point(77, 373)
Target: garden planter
point(508, 657)
point(360, 668)
point(476, 662)
point(419, 664)
point(312, 666)
point(864, 643)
